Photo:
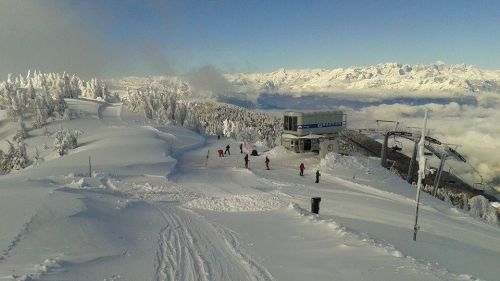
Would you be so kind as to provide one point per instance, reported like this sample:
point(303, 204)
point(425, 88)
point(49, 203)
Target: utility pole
point(421, 173)
point(90, 168)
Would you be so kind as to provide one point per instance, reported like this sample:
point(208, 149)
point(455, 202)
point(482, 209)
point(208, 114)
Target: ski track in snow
point(24, 230)
point(191, 249)
point(184, 253)
point(178, 256)
point(255, 270)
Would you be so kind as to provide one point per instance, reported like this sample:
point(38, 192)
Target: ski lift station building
point(303, 131)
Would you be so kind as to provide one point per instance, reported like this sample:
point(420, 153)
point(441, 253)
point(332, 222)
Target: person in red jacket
point(302, 167)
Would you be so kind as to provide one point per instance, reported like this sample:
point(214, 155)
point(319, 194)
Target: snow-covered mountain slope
point(388, 76)
point(161, 206)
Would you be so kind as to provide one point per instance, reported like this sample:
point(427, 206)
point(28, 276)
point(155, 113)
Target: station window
point(290, 123)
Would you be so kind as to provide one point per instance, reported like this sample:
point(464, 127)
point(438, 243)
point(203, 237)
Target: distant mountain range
point(397, 77)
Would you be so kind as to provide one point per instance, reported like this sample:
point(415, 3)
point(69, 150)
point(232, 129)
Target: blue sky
point(148, 37)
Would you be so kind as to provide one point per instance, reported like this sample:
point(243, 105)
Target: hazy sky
point(113, 38)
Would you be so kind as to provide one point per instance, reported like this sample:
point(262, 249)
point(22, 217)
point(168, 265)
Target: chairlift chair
point(396, 146)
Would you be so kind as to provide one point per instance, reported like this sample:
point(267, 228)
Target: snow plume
point(49, 35)
point(480, 207)
point(208, 81)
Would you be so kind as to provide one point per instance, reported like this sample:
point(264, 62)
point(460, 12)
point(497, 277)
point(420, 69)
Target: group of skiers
point(301, 173)
point(222, 153)
point(266, 161)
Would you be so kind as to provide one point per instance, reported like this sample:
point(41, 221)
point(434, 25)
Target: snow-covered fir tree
point(21, 132)
point(37, 159)
point(41, 95)
point(20, 159)
point(15, 158)
point(65, 139)
point(171, 102)
point(40, 113)
point(480, 207)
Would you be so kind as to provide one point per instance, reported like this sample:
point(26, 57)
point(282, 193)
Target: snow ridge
point(384, 246)
point(236, 203)
point(386, 76)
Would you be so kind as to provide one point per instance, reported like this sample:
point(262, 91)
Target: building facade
point(303, 131)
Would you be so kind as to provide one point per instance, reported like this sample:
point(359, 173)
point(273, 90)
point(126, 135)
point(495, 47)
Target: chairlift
point(396, 146)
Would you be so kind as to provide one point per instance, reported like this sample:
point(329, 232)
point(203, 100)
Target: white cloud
point(474, 129)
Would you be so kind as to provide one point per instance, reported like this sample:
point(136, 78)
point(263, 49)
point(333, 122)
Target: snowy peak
point(386, 76)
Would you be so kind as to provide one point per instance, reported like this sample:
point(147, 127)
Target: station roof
point(313, 113)
point(310, 136)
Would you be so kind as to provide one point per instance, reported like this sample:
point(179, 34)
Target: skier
point(221, 152)
point(246, 161)
point(227, 150)
point(241, 148)
point(267, 163)
point(302, 167)
point(218, 137)
point(317, 176)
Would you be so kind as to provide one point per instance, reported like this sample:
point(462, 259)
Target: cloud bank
point(47, 35)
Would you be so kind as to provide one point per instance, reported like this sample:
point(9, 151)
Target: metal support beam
point(411, 169)
point(383, 153)
point(438, 175)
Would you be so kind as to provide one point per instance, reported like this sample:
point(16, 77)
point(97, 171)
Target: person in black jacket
point(246, 161)
point(227, 150)
point(317, 176)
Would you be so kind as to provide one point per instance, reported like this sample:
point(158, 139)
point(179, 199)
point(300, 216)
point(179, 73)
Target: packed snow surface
point(160, 204)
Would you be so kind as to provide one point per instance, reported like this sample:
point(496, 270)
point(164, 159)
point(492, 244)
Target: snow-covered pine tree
point(20, 159)
point(67, 114)
point(37, 159)
point(191, 122)
point(59, 104)
point(2, 155)
point(480, 207)
point(21, 133)
point(59, 142)
point(65, 140)
point(6, 160)
point(40, 115)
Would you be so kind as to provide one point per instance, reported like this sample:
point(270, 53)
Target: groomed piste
point(158, 203)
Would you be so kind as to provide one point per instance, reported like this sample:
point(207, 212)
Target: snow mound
point(480, 207)
point(343, 231)
point(335, 160)
point(81, 183)
point(277, 152)
point(237, 203)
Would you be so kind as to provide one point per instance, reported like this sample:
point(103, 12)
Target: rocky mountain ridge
point(437, 77)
